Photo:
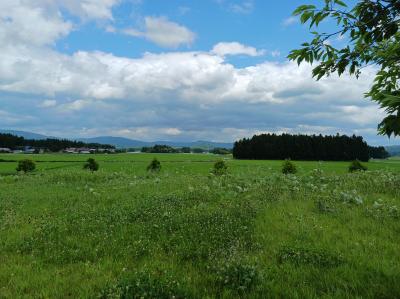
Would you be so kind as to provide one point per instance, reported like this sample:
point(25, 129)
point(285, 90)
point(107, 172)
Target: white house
point(5, 150)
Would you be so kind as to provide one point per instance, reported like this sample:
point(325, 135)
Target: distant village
point(19, 145)
point(69, 150)
point(85, 150)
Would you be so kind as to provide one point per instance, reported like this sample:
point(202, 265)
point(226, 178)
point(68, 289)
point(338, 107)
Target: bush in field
point(146, 284)
point(26, 165)
point(238, 277)
point(91, 165)
point(356, 166)
point(198, 150)
point(220, 151)
point(220, 167)
point(186, 150)
point(288, 167)
point(154, 166)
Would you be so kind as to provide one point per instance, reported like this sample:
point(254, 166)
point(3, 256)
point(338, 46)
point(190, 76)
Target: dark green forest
point(161, 149)
point(378, 152)
point(306, 147)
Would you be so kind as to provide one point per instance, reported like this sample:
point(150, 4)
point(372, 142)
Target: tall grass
point(252, 233)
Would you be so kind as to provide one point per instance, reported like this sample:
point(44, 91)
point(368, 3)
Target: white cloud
point(290, 21)
point(185, 76)
point(87, 9)
point(183, 10)
point(361, 115)
point(243, 7)
point(237, 6)
point(235, 48)
point(111, 29)
point(275, 53)
point(25, 23)
point(141, 133)
point(173, 131)
point(12, 119)
point(48, 103)
point(164, 33)
point(98, 9)
point(75, 105)
point(40, 22)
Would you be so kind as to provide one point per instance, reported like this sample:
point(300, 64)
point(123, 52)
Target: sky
point(178, 70)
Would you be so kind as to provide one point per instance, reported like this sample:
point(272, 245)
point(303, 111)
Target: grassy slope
point(255, 233)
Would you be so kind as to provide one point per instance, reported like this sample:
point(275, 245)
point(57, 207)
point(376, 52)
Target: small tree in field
point(288, 167)
point(91, 165)
point(220, 167)
point(356, 166)
point(154, 166)
point(26, 165)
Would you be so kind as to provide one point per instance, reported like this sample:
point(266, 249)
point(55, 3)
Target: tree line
point(378, 152)
point(158, 148)
point(54, 145)
point(306, 147)
point(166, 149)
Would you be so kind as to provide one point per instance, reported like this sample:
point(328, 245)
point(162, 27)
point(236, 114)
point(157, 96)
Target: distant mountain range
point(393, 150)
point(122, 142)
point(26, 135)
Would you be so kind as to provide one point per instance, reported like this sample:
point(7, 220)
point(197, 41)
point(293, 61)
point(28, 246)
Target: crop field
point(122, 232)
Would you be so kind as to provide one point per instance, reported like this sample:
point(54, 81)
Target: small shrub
point(324, 207)
point(154, 166)
point(220, 167)
point(238, 277)
point(350, 197)
point(356, 166)
point(288, 167)
point(381, 210)
point(91, 165)
point(26, 165)
point(146, 284)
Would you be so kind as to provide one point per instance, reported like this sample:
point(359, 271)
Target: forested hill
point(305, 147)
point(54, 145)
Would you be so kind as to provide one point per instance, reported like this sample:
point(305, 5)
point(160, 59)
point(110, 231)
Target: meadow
point(122, 232)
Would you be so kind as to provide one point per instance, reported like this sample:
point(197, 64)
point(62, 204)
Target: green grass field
point(185, 233)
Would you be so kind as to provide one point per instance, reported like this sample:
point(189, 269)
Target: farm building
point(5, 150)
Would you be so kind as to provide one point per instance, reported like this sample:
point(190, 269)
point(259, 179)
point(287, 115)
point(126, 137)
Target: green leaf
point(341, 3)
point(299, 10)
point(306, 16)
point(390, 126)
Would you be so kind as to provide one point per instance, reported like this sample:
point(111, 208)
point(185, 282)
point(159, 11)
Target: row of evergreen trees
point(378, 152)
point(159, 148)
point(53, 145)
point(166, 149)
point(303, 147)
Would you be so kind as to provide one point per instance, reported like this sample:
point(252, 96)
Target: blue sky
point(171, 70)
point(212, 21)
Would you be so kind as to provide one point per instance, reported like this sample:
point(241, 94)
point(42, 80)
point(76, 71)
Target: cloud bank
point(235, 48)
point(163, 32)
